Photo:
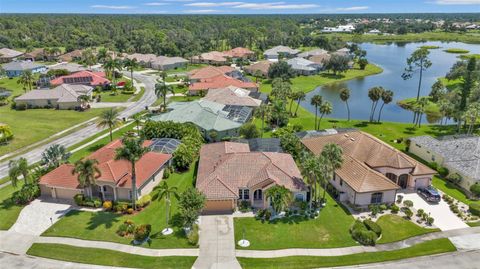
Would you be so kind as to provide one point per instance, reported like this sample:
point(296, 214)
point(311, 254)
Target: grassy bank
point(297, 262)
point(396, 228)
point(8, 209)
point(107, 257)
point(468, 37)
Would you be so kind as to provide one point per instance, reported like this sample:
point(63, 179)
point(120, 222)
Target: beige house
point(65, 96)
point(115, 179)
point(372, 171)
point(8, 55)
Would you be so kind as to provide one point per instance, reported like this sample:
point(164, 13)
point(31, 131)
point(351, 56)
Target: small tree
point(280, 69)
point(475, 189)
point(418, 61)
point(362, 62)
point(18, 168)
point(109, 118)
point(55, 155)
point(162, 90)
point(249, 130)
point(280, 197)
point(190, 204)
point(337, 64)
point(344, 96)
point(166, 192)
point(26, 79)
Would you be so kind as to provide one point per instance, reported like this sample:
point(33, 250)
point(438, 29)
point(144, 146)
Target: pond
point(392, 58)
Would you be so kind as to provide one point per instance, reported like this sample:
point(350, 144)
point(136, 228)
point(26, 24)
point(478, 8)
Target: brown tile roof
point(209, 72)
point(226, 166)
point(262, 66)
point(239, 52)
point(232, 96)
point(61, 177)
point(68, 57)
point(213, 56)
point(320, 59)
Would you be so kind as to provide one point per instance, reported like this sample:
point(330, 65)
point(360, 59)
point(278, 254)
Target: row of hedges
point(82, 200)
point(366, 232)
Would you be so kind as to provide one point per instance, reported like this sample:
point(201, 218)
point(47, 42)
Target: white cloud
point(352, 8)
point(111, 7)
point(457, 2)
point(201, 11)
point(275, 5)
point(155, 4)
point(211, 4)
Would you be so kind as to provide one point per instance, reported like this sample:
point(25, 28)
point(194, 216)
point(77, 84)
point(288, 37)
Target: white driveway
point(38, 216)
point(444, 219)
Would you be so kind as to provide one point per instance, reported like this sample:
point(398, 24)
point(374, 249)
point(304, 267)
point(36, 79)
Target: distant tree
point(26, 79)
point(418, 61)
point(280, 69)
point(87, 173)
point(131, 64)
point(374, 94)
point(337, 64)
point(438, 91)
point(102, 55)
point(55, 155)
point(387, 98)
point(300, 96)
point(249, 130)
point(325, 109)
point(362, 62)
point(88, 58)
point(344, 96)
point(316, 101)
point(109, 118)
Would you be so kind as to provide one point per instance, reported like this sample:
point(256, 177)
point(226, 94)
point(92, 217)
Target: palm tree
point(317, 102)
point(18, 168)
point(293, 96)
point(87, 172)
point(163, 75)
point(263, 112)
point(277, 109)
point(102, 55)
point(110, 65)
point(26, 79)
point(325, 109)
point(83, 99)
point(420, 110)
point(109, 118)
point(137, 119)
point(345, 95)
point(131, 64)
point(374, 94)
point(55, 155)
point(161, 90)
point(257, 74)
point(280, 197)
point(333, 157)
point(300, 97)
point(387, 98)
point(166, 192)
point(132, 151)
point(310, 167)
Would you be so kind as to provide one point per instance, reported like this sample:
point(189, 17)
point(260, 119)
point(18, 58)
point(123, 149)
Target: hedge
point(474, 209)
point(361, 234)
point(372, 226)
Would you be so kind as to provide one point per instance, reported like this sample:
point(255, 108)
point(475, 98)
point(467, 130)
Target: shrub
point(443, 171)
point(420, 212)
point(383, 207)
point(430, 220)
point(408, 203)
point(244, 206)
point(79, 198)
point(142, 232)
point(130, 211)
point(475, 189)
point(474, 209)
point(357, 225)
point(433, 165)
point(394, 209)
point(455, 178)
point(408, 213)
point(21, 107)
point(399, 199)
point(144, 201)
point(166, 173)
point(374, 209)
point(361, 234)
point(268, 215)
point(193, 236)
point(260, 213)
point(26, 194)
point(107, 205)
point(127, 228)
point(372, 226)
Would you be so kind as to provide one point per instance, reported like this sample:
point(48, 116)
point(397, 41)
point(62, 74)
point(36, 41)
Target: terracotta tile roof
point(61, 177)
point(116, 171)
point(232, 96)
point(262, 66)
point(366, 149)
point(221, 81)
point(226, 166)
point(239, 52)
point(68, 57)
point(209, 72)
point(213, 56)
point(82, 77)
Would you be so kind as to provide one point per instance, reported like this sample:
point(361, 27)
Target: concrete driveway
point(444, 218)
point(38, 216)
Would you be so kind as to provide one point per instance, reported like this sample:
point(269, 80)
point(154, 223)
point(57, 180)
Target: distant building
point(278, 52)
point(212, 57)
point(303, 66)
point(261, 67)
point(16, 68)
point(75, 55)
point(158, 62)
point(64, 96)
point(70, 67)
point(233, 96)
point(86, 77)
point(220, 81)
point(339, 29)
point(8, 55)
point(314, 52)
point(374, 32)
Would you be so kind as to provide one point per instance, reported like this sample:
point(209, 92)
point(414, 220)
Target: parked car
point(430, 194)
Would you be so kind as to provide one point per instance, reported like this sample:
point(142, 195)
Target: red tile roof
point(209, 72)
point(116, 171)
point(221, 81)
point(82, 77)
point(239, 52)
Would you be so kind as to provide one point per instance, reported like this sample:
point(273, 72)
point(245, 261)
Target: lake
point(392, 58)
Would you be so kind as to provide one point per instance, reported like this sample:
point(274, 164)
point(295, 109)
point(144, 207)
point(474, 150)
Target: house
point(343, 52)
point(229, 173)
point(85, 77)
point(303, 66)
point(16, 68)
point(220, 81)
point(167, 63)
point(232, 96)
point(348, 28)
point(240, 53)
point(8, 55)
point(372, 171)
point(374, 32)
point(209, 72)
point(142, 59)
point(459, 154)
point(39, 54)
point(115, 179)
point(70, 67)
point(261, 67)
point(212, 57)
point(65, 96)
point(224, 120)
point(321, 60)
point(75, 55)
point(314, 52)
point(278, 52)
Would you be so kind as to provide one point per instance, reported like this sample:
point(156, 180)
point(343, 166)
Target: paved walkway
point(110, 104)
point(217, 243)
point(460, 233)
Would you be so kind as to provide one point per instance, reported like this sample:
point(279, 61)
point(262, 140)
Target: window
point(341, 182)
point(246, 194)
point(376, 198)
point(299, 197)
point(104, 188)
point(257, 195)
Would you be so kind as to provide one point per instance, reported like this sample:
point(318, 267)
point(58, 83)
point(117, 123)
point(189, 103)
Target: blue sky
point(237, 6)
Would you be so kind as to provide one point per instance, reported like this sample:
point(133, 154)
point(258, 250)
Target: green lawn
point(299, 262)
point(8, 210)
point(396, 228)
point(188, 68)
point(33, 125)
point(329, 230)
point(451, 190)
point(103, 225)
point(107, 257)
point(474, 224)
point(468, 37)
point(108, 97)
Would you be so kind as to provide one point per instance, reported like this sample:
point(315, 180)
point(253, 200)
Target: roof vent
point(346, 135)
point(353, 139)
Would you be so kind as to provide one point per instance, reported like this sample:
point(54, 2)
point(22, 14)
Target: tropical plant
point(311, 171)
point(300, 96)
point(333, 157)
point(387, 98)
point(190, 204)
point(18, 168)
point(132, 151)
point(87, 172)
point(316, 101)
point(131, 64)
point(183, 157)
point(111, 65)
point(109, 118)
point(344, 96)
point(249, 130)
point(263, 112)
point(26, 79)
point(166, 192)
point(83, 99)
point(137, 119)
point(162, 90)
point(374, 94)
point(281, 89)
point(55, 155)
point(279, 114)
point(418, 61)
point(325, 109)
point(280, 198)
point(280, 69)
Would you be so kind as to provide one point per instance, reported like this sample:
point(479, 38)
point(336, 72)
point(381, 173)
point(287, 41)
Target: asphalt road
point(147, 99)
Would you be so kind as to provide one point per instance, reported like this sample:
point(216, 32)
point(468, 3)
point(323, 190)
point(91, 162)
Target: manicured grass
point(396, 228)
point(8, 210)
point(309, 83)
point(298, 262)
point(431, 108)
point(33, 125)
point(188, 68)
point(329, 230)
point(103, 225)
point(474, 224)
point(108, 97)
point(451, 190)
point(457, 51)
point(138, 95)
point(107, 257)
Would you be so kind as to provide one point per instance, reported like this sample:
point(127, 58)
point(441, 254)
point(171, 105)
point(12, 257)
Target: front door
point(403, 181)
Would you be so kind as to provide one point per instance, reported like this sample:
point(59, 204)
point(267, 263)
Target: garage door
point(66, 193)
point(422, 183)
point(219, 207)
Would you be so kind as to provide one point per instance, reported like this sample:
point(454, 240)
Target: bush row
point(361, 232)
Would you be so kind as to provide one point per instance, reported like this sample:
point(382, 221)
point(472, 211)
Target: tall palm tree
point(333, 157)
point(166, 192)
point(110, 65)
point(300, 97)
point(325, 109)
point(317, 102)
point(310, 167)
point(387, 98)
point(263, 112)
point(132, 151)
point(345, 95)
point(87, 173)
point(280, 197)
point(26, 79)
point(131, 64)
point(109, 118)
point(374, 94)
point(102, 55)
point(137, 119)
point(18, 168)
point(162, 90)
